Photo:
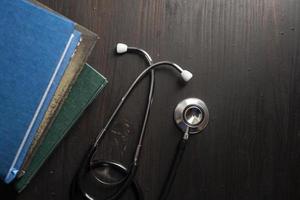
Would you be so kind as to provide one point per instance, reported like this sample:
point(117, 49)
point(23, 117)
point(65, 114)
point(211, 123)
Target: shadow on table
point(7, 191)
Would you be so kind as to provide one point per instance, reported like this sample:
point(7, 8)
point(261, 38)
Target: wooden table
point(245, 56)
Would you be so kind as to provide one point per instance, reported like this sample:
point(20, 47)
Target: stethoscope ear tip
point(186, 75)
point(121, 48)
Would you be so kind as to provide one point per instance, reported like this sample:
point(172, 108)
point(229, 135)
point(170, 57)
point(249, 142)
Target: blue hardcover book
point(36, 46)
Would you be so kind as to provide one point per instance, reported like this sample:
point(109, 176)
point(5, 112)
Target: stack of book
point(45, 84)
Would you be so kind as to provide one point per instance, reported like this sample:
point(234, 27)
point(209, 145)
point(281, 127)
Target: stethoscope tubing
point(133, 169)
point(175, 165)
point(87, 162)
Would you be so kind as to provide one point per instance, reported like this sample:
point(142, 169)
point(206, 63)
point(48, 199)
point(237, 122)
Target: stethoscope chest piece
point(191, 113)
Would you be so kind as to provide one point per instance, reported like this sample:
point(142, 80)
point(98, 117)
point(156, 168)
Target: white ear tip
point(121, 48)
point(186, 75)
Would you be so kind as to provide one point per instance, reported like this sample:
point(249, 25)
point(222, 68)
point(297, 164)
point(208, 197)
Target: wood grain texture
point(245, 56)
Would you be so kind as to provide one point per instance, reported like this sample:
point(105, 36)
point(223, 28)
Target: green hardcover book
point(86, 88)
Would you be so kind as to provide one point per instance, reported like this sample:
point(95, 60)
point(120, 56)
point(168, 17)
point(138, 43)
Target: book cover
point(85, 89)
point(33, 57)
point(83, 50)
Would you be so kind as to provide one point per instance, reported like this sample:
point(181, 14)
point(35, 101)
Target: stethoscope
point(103, 179)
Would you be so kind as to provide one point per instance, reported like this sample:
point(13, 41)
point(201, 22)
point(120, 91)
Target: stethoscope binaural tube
point(133, 169)
point(88, 158)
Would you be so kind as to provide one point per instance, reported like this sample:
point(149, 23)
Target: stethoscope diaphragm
point(191, 113)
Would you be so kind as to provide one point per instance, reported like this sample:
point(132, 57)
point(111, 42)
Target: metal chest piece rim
point(191, 113)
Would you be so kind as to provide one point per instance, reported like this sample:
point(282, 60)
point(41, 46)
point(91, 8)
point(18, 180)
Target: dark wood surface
point(245, 56)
